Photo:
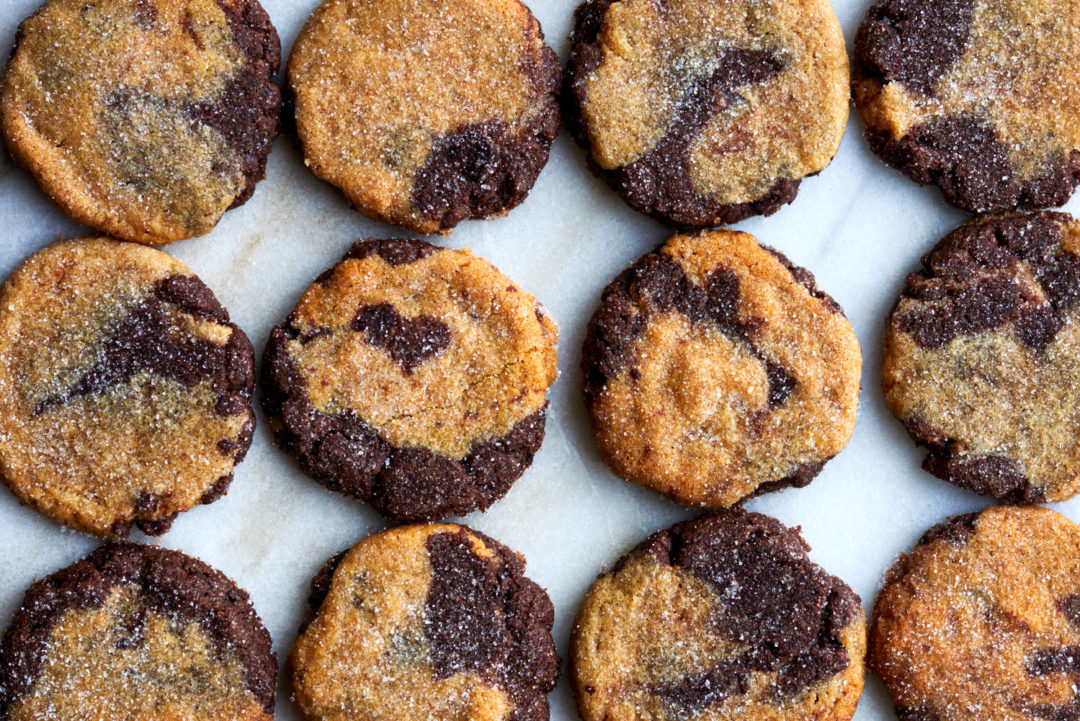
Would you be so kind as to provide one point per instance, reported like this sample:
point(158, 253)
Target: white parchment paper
point(859, 226)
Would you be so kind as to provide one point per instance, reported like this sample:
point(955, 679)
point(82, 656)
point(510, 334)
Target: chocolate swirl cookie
point(425, 114)
point(703, 112)
point(144, 119)
point(425, 622)
point(979, 97)
point(723, 617)
point(125, 392)
point(716, 370)
point(412, 377)
point(982, 357)
point(981, 621)
point(137, 632)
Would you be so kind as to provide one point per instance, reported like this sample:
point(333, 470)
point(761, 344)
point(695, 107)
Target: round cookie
point(125, 392)
point(722, 617)
point(425, 114)
point(715, 370)
point(704, 112)
point(425, 622)
point(144, 119)
point(978, 97)
point(982, 357)
point(982, 620)
point(412, 377)
point(137, 632)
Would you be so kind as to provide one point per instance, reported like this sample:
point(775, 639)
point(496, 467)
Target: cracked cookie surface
point(982, 620)
point(722, 617)
point(703, 113)
point(424, 114)
point(125, 392)
point(976, 97)
point(137, 632)
point(716, 370)
point(412, 377)
point(980, 357)
point(425, 622)
point(144, 119)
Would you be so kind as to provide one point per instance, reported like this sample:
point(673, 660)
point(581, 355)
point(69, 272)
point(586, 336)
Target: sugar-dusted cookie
point(125, 392)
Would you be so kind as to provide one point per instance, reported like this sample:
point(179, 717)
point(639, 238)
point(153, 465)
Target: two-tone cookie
point(704, 112)
point(716, 370)
point(425, 622)
point(981, 621)
point(982, 357)
point(978, 97)
point(425, 114)
point(723, 617)
point(137, 632)
point(125, 392)
point(412, 377)
point(144, 119)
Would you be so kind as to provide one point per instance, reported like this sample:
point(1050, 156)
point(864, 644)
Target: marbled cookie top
point(431, 622)
point(144, 119)
point(422, 113)
point(702, 112)
point(979, 97)
point(125, 392)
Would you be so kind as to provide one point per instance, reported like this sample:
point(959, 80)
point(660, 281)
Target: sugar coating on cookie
point(716, 370)
point(137, 632)
point(144, 119)
point(425, 114)
point(981, 621)
point(723, 617)
point(125, 392)
point(982, 357)
point(707, 112)
point(978, 97)
point(425, 622)
point(412, 377)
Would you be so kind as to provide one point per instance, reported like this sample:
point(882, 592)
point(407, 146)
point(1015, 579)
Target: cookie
point(704, 112)
point(144, 119)
point(137, 632)
point(982, 620)
point(412, 377)
point(425, 622)
point(125, 392)
point(715, 370)
point(978, 97)
point(722, 617)
point(982, 357)
point(424, 114)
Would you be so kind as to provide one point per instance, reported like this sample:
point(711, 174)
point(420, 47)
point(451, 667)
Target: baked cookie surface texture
point(719, 618)
point(716, 370)
point(412, 377)
point(144, 119)
point(427, 622)
point(125, 392)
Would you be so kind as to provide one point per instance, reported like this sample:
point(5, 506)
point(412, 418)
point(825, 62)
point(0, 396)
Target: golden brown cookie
point(425, 114)
point(137, 632)
point(715, 370)
point(981, 622)
point(979, 97)
point(425, 622)
point(723, 617)
point(982, 357)
point(703, 112)
point(144, 119)
point(412, 377)
point(125, 392)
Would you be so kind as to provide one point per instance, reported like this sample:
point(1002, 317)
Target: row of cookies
point(148, 119)
point(721, 617)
